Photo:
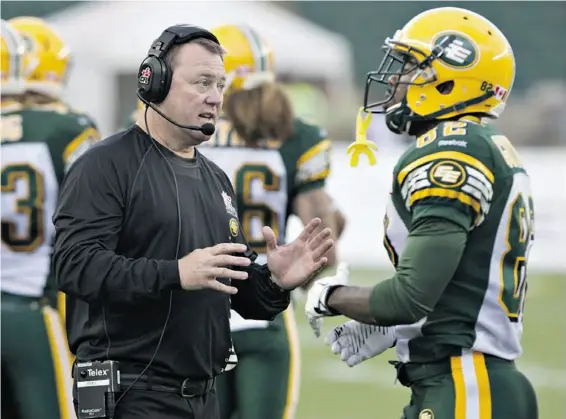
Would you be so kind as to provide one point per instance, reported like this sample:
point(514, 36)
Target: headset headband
point(178, 34)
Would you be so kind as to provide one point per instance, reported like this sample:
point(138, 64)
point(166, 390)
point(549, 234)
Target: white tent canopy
point(121, 32)
point(109, 38)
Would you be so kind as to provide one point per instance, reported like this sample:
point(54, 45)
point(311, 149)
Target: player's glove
point(355, 342)
point(316, 307)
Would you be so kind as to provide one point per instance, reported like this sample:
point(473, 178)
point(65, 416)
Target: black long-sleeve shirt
point(115, 257)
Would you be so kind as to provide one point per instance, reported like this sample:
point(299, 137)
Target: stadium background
point(323, 50)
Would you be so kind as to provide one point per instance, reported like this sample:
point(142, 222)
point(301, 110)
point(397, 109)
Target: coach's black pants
point(150, 404)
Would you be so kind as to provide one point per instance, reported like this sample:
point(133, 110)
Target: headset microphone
point(206, 129)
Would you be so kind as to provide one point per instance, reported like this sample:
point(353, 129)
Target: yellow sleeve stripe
point(446, 193)
point(313, 151)
point(319, 176)
point(452, 155)
point(77, 141)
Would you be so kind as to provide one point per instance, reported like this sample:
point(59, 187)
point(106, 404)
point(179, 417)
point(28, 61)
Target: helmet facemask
point(404, 66)
point(400, 60)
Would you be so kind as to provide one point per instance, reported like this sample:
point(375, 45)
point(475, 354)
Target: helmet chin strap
point(399, 117)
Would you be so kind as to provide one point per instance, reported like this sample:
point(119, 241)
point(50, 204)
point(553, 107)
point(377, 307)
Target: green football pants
point(265, 383)
point(36, 362)
point(471, 386)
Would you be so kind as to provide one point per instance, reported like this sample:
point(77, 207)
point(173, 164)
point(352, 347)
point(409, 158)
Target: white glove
point(316, 306)
point(355, 342)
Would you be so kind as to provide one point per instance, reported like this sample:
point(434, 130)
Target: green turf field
point(332, 390)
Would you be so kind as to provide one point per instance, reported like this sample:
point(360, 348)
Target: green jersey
point(470, 174)
point(267, 179)
point(39, 143)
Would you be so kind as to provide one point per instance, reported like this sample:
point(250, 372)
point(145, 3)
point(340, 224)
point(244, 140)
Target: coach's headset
point(155, 74)
point(154, 82)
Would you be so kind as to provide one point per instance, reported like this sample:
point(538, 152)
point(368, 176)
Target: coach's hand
point(200, 268)
point(293, 264)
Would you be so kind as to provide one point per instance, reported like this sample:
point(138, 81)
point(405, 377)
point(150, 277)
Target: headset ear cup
point(164, 81)
point(147, 75)
point(154, 79)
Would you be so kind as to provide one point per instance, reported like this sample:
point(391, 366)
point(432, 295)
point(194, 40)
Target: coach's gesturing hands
point(200, 268)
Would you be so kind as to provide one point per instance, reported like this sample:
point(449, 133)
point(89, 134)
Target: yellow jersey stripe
point(448, 155)
point(61, 305)
point(446, 193)
point(294, 364)
point(78, 140)
point(459, 387)
point(313, 151)
point(319, 176)
point(484, 390)
point(62, 362)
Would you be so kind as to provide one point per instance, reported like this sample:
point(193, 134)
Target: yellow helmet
point(460, 61)
point(47, 59)
point(249, 59)
point(12, 55)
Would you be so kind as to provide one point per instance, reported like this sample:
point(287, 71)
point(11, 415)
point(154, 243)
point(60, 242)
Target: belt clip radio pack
point(97, 382)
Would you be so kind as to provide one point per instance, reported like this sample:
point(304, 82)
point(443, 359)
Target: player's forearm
point(352, 302)
point(431, 257)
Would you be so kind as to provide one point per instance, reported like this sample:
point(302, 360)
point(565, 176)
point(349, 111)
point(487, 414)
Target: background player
point(459, 224)
point(41, 137)
point(278, 165)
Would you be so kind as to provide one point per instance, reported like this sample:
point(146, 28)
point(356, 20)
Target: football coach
point(150, 254)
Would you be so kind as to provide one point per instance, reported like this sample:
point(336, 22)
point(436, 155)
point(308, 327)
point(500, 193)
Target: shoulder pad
point(450, 165)
point(313, 151)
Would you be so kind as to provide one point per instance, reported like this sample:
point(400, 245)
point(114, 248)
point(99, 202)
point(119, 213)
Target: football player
point(458, 227)
point(41, 137)
point(279, 165)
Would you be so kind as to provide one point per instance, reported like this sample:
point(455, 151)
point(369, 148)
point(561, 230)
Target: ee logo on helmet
point(459, 52)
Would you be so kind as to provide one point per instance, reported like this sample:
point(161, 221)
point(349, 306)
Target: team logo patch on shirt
point(447, 174)
point(234, 227)
point(426, 414)
point(228, 203)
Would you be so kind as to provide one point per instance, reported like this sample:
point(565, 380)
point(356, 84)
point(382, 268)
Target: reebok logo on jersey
point(457, 143)
point(448, 174)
